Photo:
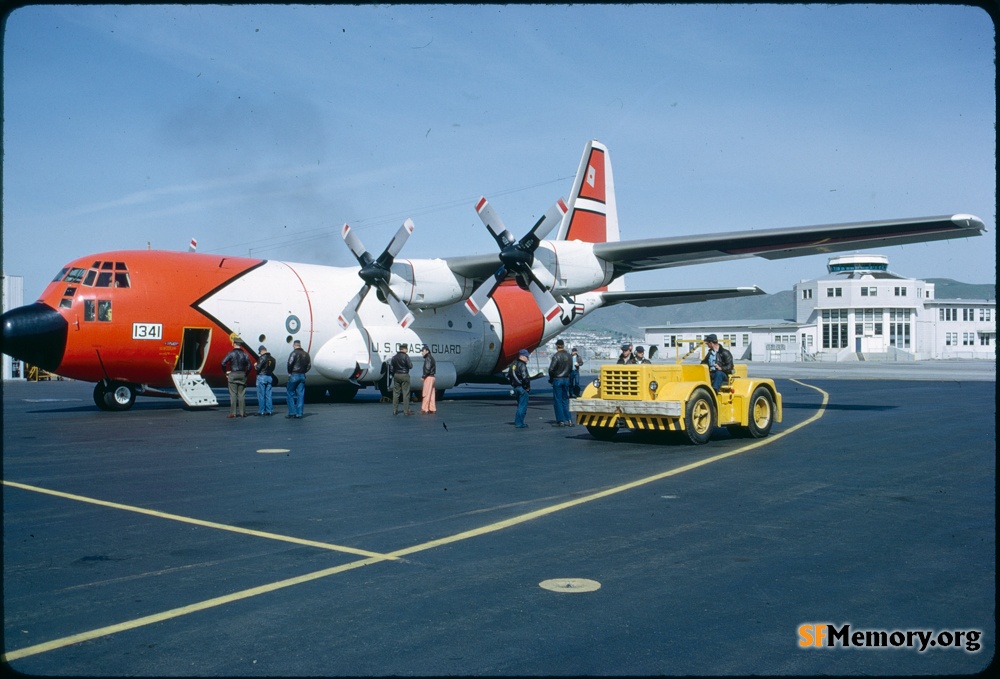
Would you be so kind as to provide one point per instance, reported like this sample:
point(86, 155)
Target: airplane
point(158, 323)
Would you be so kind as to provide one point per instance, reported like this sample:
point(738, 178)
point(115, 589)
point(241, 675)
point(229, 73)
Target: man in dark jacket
point(429, 402)
point(560, 366)
point(265, 381)
point(237, 365)
point(521, 381)
point(298, 365)
point(719, 361)
point(399, 367)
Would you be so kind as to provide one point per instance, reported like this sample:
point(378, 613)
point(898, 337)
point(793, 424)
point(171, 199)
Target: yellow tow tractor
point(676, 398)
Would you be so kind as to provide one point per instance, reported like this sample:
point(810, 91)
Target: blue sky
point(262, 129)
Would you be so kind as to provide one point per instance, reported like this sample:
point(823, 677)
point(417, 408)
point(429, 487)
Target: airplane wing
point(798, 241)
point(648, 298)
point(474, 267)
point(658, 253)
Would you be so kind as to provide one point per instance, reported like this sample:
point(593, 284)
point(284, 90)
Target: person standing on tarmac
point(265, 382)
point(574, 375)
point(521, 381)
point(429, 402)
point(559, 368)
point(237, 365)
point(298, 365)
point(640, 355)
point(400, 366)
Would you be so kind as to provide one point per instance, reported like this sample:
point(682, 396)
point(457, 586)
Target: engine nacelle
point(445, 376)
point(570, 267)
point(343, 355)
point(428, 283)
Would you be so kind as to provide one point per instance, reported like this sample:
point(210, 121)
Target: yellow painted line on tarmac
point(183, 610)
point(373, 557)
point(198, 522)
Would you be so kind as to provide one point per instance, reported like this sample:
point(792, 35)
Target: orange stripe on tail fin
point(593, 210)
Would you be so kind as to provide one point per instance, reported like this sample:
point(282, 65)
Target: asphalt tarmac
point(172, 542)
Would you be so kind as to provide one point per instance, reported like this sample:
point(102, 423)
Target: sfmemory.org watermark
point(829, 635)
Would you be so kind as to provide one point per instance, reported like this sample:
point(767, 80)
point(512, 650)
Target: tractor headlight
point(597, 383)
point(653, 386)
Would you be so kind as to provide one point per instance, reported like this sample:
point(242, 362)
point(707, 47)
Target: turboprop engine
point(347, 356)
point(427, 283)
point(570, 267)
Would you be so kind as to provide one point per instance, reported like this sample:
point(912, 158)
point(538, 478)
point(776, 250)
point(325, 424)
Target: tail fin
point(593, 211)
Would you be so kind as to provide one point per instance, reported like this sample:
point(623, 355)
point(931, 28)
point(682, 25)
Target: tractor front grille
point(622, 383)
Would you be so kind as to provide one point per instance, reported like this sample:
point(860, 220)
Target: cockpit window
point(107, 275)
point(60, 275)
point(75, 275)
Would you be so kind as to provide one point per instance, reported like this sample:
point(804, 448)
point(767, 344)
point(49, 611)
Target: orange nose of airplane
point(35, 334)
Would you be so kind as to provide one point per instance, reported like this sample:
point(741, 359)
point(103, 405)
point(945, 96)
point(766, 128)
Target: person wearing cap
point(719, 361)
point(626, 357)
point(400, 366)
point(640, 355)
point(429, 401)
point(560, 366)
point(574, 373)
point(265, 382)
point(298, 365)
point(237, 365)
point(520, 379)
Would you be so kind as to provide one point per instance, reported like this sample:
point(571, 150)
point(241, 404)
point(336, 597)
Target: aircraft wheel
point(119, 396)
point(603, 433)
point(100, 392)
point(699, 417)
point(761, 415)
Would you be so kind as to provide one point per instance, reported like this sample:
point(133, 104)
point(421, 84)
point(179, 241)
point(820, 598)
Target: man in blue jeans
point(521, 381)
point(298, 365)
point(559, 368)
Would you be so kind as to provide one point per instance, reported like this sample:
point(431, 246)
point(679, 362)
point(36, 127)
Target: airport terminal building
point(859, 311)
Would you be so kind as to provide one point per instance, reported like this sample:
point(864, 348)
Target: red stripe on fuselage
point(520, 320)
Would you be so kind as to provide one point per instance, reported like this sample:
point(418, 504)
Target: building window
point(834, 328)
point(746, 340)
point(900, 291)
point(984, 314)
point(951, 339)
point(968, 314)
point(947, 314)
point(869, 292)
point(984, 340)
point(834, 292)
point(807, 293)
point(968, 339)
point(899, 328)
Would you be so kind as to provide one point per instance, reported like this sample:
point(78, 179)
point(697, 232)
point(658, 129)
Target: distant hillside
point(625, 319)
point(946, 288)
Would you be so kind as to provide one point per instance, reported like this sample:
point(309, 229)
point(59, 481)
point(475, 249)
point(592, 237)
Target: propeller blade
point(396, 244)
point(543, 298)
point(350, 311)
point(354, 243)
point(494, 224)
point(544, 226)
point(481, 295)
point(403, 315)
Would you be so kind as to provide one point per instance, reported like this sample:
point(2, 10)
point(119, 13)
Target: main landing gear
point(117, 396)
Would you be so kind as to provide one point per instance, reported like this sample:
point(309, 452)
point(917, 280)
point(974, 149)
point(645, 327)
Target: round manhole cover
point(570, 585)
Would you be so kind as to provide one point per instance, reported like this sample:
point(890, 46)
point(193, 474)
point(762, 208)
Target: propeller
point(376, 273)
point(516, 257)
